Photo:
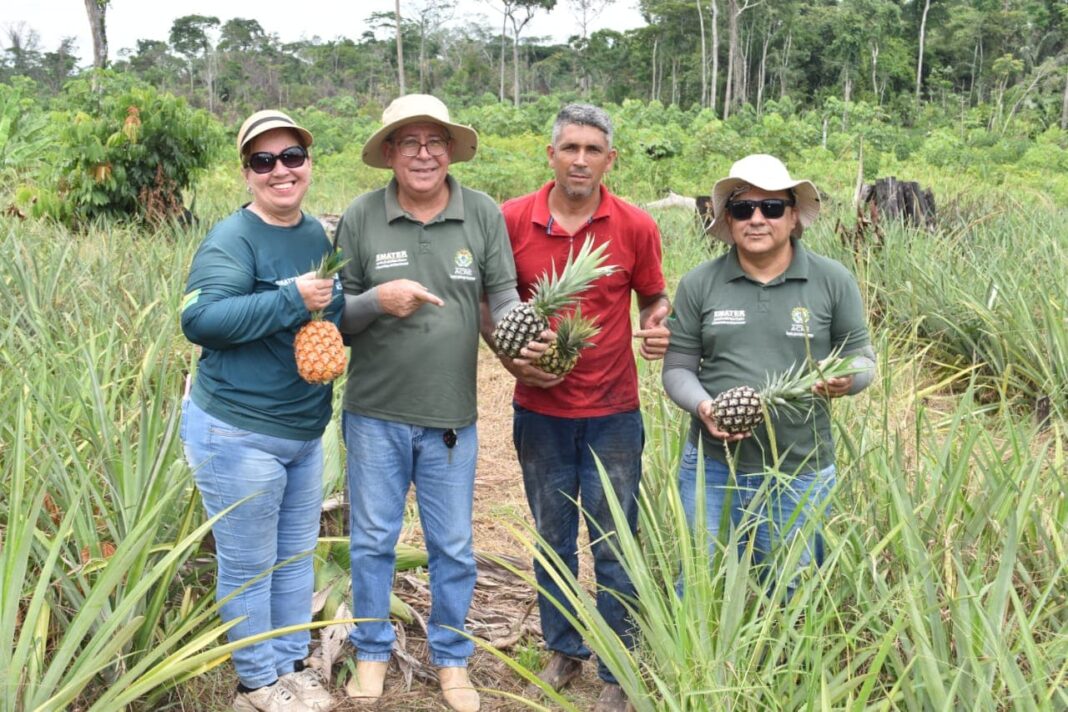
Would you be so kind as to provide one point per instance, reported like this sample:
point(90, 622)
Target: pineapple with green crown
point(573, 334)
point(318, 347)
point(552, 293)
point(741, 409)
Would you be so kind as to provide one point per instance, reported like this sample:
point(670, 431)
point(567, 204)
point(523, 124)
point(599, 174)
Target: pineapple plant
point(317, 347)
point(740, 409)
point(573, 333)
point(552, 293)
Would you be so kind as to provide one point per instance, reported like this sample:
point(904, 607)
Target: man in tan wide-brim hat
point(413, 109)
point(423, 253)
point(767, 307)
point(766, 173)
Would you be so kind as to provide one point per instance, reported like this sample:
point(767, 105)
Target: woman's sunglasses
point(263, 162)
point(771, 208)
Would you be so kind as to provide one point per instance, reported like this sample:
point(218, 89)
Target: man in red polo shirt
point(559, 420)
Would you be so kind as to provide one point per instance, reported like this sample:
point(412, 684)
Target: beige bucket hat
point(264, 121)
point(760, 170)
point(413, 109)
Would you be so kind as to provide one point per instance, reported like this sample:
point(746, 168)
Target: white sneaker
point(272, 698)
point(310, 686)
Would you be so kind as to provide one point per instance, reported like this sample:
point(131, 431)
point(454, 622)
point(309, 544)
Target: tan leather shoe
point(457, 690)
point(365, 686)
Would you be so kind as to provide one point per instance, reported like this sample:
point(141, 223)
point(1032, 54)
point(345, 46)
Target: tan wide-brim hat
point(414, 109)
point(768, 173)
point(264, 121)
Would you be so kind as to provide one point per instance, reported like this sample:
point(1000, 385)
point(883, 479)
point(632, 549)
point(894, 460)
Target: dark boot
point(612, 699)
point(557, 674)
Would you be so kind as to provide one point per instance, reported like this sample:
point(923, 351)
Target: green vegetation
point(946, 583)
point(945, 588)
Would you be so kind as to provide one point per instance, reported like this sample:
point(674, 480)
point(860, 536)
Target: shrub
point(130, 152)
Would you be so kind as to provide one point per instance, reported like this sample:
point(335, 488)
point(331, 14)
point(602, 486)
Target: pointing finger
point(425, 296)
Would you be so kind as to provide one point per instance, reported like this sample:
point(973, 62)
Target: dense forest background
point(911, 58)
point(852, 89)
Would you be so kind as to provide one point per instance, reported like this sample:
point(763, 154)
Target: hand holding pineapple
point(523, 367)
point(732, 414)
point(706, 412)
point(317, 347)
point(315, 292)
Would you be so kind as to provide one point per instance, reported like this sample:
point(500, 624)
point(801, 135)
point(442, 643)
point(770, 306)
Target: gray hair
point(583, 115)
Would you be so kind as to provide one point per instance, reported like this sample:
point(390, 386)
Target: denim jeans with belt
point(559, 468)
point(279, 521)
point(772, 508)
point(384, 460)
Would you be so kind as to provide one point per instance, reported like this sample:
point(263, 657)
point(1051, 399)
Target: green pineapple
point(552, 293)
point(573, 333)
point(740, 409)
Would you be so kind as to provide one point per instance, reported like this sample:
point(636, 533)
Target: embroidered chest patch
point(728, 317)
point(386, 260)
point(799, 318)
point(462, 266)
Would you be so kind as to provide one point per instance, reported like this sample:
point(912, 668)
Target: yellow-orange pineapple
point(318, 348)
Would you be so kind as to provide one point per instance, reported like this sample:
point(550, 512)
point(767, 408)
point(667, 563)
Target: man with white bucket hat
point(423, 252)
point(768, 305)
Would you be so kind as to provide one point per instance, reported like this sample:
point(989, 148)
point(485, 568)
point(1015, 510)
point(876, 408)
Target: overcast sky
point(131, 20)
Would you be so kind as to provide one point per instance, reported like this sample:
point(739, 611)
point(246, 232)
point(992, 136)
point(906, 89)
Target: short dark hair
point(583, 115)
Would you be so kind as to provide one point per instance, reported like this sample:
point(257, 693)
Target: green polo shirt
point(744, 330)
point(421, 369)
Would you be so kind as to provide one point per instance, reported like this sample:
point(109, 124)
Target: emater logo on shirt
point(733, 317)
point(385, 260)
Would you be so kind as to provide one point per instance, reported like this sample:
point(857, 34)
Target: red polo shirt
point(605, 381)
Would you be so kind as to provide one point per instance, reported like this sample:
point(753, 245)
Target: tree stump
point(704, 213)
point(891, 199)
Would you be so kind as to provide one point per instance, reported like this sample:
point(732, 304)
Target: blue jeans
point(384, 459)
point(771, 508)
point(280, 521)
point(557, 458)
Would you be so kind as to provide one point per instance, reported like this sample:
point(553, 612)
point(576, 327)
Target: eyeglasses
point(263, 162)
point(410, 147)
point(771, 208)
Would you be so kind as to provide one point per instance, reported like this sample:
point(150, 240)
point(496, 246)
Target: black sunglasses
point(771, 208)
point(263, 162)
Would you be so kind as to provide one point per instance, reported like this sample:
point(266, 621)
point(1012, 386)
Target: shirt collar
point(454, 209)
point(540, 215)
point(797, 269)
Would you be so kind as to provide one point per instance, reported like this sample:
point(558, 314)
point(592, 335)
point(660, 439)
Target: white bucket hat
point(760, 170)
point(413, 109)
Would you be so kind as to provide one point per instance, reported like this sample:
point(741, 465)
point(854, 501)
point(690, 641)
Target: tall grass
point(99, 519)
point(987, 290)
point(944, 585)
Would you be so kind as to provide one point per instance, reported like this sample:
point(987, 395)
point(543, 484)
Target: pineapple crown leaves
point(575, 330)
point(328, 266)
point(784, 391)
point(552, 292)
